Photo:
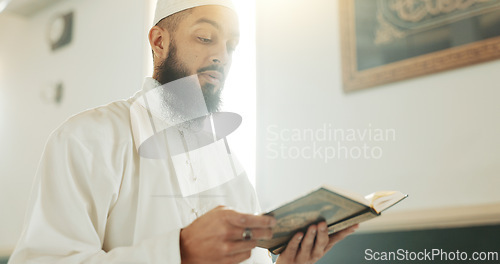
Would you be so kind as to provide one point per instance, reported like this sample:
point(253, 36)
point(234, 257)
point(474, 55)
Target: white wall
point(105, 62)
point(447, 145)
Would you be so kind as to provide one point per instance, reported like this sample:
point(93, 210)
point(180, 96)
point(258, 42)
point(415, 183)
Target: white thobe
point(96, 200)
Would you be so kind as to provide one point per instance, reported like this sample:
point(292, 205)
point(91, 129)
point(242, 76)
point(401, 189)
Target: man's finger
point(250, 221)
point(307, 245)
point(239, 247)
point(321, 242)
point(236, 233)
point(340, 235)
point(293, 246)
point(240, 257)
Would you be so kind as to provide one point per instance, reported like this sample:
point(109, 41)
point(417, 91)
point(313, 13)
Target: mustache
point(214, 67)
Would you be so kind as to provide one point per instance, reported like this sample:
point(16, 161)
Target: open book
point(339, 208)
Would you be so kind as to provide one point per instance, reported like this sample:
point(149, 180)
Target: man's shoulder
point(111, 121)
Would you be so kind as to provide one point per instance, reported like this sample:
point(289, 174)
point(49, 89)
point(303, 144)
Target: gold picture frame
point(358, 74)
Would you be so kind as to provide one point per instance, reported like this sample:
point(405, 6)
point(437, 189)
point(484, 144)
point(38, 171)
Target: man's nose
point(221, 55)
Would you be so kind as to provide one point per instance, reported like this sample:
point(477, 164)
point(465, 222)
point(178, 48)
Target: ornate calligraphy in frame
point(385, 41)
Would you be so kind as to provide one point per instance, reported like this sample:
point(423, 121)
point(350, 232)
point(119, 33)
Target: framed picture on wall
point(384, 41)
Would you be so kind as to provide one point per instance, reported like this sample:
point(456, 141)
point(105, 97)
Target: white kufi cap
point(165, 8)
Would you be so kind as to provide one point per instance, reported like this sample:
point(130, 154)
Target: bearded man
point(110, 190)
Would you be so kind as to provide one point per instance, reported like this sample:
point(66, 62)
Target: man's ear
point(159, 39)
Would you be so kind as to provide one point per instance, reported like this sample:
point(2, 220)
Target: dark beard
point(171, 70)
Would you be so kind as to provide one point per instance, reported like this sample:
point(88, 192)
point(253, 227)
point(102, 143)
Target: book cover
point(340, 209)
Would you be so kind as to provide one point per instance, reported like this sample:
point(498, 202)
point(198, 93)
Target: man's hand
point(313, 246)
point(217, 236)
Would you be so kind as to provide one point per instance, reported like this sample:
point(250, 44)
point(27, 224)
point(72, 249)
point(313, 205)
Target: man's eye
point(204, 40)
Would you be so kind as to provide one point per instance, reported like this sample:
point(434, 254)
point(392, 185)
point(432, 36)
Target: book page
point(382, 200)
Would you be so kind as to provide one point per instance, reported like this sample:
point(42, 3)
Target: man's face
point(203, 45)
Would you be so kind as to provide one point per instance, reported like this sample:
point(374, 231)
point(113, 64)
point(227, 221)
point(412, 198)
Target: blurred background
point(440, 138)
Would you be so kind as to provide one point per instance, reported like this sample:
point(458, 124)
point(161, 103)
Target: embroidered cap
point(165, 8)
